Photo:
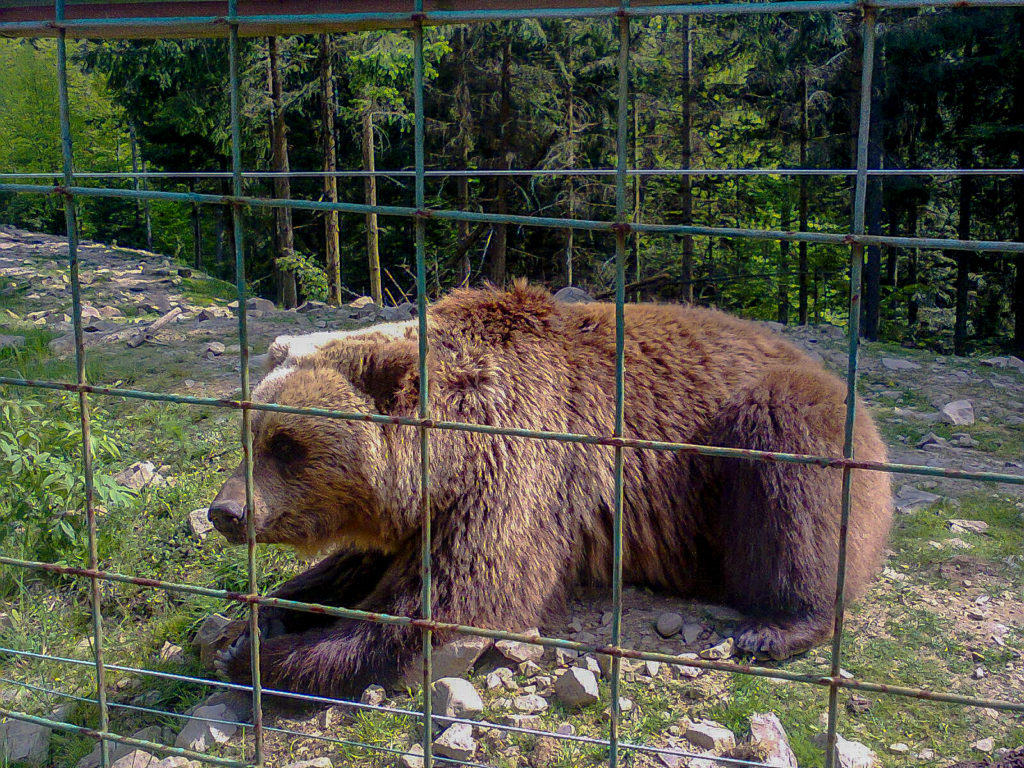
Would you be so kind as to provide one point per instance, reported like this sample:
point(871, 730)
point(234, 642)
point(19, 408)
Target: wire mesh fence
point(622, 227)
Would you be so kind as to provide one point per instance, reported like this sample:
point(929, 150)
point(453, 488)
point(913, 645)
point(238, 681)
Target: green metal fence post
point(856, 267)
point(243, 363)
point(71, 221)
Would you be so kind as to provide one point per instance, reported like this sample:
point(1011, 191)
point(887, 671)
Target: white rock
point(530, 704)
point(518, 652)
point(373, 695)
point(199, 522)
point(22, 742)
point(724, 650)
point(455, 697)
point(708, 734)
point(454, 659)
point(962, 526)
point(668, 624)
point(691, 632)
point(985, 745)
point(577, 687)
point(958, 412)
point(212, 725)
point(908, 499)
point(139, 475)
point(590, 663)
point(850, 754)
point(896, 364)
point(456, 742)
point(318, 762)
point(172, 653)
point(413, 758)
point(767, 733)
point(500, 678)
point(899, 748)
point(136, 759)
point(116, 750)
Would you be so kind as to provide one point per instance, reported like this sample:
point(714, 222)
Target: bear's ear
point(387, 372)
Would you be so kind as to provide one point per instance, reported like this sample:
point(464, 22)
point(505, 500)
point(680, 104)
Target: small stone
point(565, 657)
point(858, 705)
point(213, 349)
point(199, 522)
point(708, 734)
point(572, 295)
point(979, 673)
point(524, 721)
point(23, 742)
point(136, 759)
point(768, 735)
point(413, 758)
point(318, 762)
point(501, 677)
point(899, 748)
point(11, 342)
point(958, 413)
point(963, 526)
point(373, 695)
point(577, 687)
point(849, 754)
point(404, 311)
point(985, 745)
point(668, 624)
point(211, 724)
point(652, 668)
point(895, 364)
point(455, 697)
point(171, 653)
point(259, 305)
point(216, 632)
point(545, 752)
point(530, 704)
point(908, 499)
point(139, 475)
point(926, 754)
point(566, 729)
point(454, 659)
point(456, 742)
point(590, 663)
point(724, 650)
point(691, 632)
point(518, 652)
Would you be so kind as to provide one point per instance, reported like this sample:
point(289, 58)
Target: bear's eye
point(286, 449)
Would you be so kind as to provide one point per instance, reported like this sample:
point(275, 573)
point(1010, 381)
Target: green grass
point(208, 290)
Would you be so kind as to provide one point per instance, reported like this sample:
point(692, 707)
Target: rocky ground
point(947, 613)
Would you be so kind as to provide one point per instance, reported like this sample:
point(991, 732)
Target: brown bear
point(517, 521)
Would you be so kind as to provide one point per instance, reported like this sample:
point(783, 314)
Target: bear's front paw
point(232, 663)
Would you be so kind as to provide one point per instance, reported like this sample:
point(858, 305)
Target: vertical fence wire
point(856, 268)
point(621, 218)
point(71, 220)
point(426, 609)
point(243, 365)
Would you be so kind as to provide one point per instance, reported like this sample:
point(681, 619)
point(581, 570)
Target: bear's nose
point(227, 516)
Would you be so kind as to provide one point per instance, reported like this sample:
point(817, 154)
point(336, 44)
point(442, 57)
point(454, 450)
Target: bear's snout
point(228, 511)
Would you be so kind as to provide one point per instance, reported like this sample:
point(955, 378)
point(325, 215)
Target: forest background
point(779, 92)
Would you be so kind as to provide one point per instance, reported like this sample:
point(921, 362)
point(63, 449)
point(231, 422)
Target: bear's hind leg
point(776, 524)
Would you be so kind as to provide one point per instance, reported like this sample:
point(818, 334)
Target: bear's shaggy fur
point(517, 521)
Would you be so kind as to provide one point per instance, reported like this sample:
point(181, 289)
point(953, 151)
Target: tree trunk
point(962, 258)
point(912, 267)
point(802, 246)
point(197, 232)
point(1018, 280)
point(332, 246)
point(370, 190)
point(872, 288)
point(782, 314)
point(134, 146)
point(499, 243)
point(219, 232)
point(686, 142)
point(571, 160)
point(282, 186)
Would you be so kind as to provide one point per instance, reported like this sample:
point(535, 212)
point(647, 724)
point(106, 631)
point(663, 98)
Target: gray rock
point(212, 724)
point(117, 750)
point(404, 311)
point(454, 659)
point(212, 635)
point(985, 745)
point(518, 652)
point(573, 295)
point(172, 653)
point(213, 349)
point(455, 697)
point(964, 440)
point(896, 364)
point(668, 624)
point(530, 704)
point(317, 762)
point(929, 440)
point(136, 759)
point(724, 650)
point(692, 632)
point(767, 733)
point(577, 687)
point(962, 526)
point(259, 305)
point(908, 499)
point(708, 734)
point(958, 412)
point(849, 754)
point(22, 742)
point(139, 475)
point(413, 758)
point(11, 342)
point(456, 742)
point(311, 306)
point(500, 678)
point(373, 695)
point(199, 522)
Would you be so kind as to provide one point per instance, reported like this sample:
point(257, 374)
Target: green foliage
point(312, 279)
point(40, 460)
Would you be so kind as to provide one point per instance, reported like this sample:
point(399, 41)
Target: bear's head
point(320, 481)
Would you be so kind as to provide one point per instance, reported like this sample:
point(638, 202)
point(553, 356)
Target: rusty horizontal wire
point(824, 462)
point(496, 634)
point(548, 222)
